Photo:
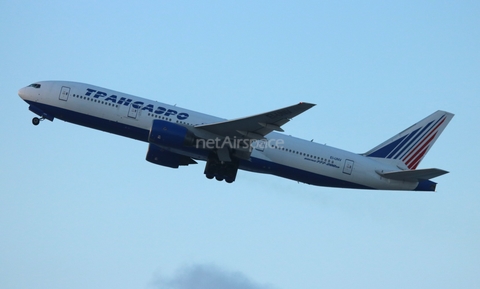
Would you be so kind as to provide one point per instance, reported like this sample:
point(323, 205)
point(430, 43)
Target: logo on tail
point(412, 144)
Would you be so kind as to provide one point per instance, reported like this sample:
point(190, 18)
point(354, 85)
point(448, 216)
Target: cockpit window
point(35, 85)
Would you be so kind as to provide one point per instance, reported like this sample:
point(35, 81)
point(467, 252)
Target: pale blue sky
point(83, 209)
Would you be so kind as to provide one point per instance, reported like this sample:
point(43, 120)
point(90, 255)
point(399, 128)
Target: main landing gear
point(221, 170)
point(37, 120)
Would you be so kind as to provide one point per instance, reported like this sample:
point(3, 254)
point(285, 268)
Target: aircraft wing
point(256, 126)
point(414, 175)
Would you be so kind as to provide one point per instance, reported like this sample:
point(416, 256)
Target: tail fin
point(411, 145)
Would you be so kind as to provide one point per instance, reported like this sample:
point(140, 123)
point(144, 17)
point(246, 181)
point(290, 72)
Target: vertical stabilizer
point(412, 144)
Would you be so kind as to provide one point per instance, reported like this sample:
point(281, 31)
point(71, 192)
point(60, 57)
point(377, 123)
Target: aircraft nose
point(22, 93)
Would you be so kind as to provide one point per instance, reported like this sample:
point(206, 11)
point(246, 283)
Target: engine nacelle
point(169, 134)
point(160, 156)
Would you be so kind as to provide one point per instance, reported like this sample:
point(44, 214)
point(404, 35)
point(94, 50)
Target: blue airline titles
point(137, 104)
point(180, 137)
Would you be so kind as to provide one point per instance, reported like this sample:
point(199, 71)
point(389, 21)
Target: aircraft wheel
point(219, 179)
point(35, 121)
point(209, 176)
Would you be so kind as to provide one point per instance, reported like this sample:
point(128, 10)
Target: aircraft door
point(260, 145)
point(348, 167)
point(64, 93)
point(133, 111)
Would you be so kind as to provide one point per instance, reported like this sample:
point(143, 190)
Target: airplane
point(181, 137)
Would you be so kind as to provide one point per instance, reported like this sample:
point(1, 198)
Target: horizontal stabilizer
point(414, 175)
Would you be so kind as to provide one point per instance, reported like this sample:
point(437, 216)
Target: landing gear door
point(348, 168)
point(64, 93)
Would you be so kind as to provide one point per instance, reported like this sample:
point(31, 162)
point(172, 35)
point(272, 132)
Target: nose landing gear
point(43, 115)
point(37, 120)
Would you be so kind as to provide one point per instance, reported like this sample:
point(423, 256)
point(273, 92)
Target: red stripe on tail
point(434, 130)
point(420, 153)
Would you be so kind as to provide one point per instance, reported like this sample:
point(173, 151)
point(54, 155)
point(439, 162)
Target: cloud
point(206, 277)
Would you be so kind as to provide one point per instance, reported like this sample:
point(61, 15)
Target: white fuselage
point(132, 116)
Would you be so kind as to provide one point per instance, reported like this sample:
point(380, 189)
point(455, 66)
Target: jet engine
point(160, 156)
point(164, 133)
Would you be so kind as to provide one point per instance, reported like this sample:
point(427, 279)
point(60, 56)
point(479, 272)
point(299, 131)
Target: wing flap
point(413, 175)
